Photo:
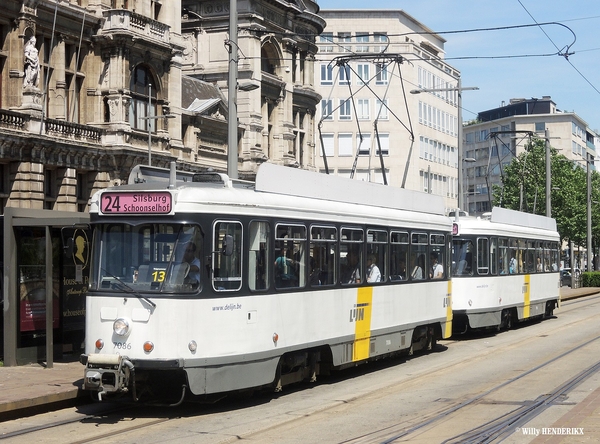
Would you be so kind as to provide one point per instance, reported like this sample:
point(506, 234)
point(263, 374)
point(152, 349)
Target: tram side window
point(515, 257)
point(323, 255)
point(539, 258)
point(259, 256)
point(529, 257)
point(547, 256)
point(227, 256)
point(554, 256)
point(504, 256)
point(377, 247)
point(398, 255)
point(483, 254)
point(418, 251)
point(494, 258)
point(521, 255)
point(290, 256)
point(351, 256)
point(437, 256)
point(462, 257)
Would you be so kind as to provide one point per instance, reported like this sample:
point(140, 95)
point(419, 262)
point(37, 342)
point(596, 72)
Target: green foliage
point(524, 188)
point(590, 279)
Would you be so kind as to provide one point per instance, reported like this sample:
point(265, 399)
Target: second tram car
point(208, 285)
point(505, 269)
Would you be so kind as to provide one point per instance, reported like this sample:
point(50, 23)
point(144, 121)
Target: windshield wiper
point(130, 290)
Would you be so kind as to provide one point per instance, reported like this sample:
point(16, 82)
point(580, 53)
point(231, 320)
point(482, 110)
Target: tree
point(524, 188)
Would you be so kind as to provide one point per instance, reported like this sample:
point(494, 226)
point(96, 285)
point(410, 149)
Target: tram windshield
point(147, 258)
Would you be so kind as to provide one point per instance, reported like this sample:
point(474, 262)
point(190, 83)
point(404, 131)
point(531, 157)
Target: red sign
point(33, 311)
point(143, 202)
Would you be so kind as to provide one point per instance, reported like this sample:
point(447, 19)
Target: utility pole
point(459, 146)
point(589, 212)
point(548, 176)
point(232, 123)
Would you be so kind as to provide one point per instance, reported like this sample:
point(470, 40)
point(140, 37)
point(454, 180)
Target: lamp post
point(459, 88)
point(149, 118)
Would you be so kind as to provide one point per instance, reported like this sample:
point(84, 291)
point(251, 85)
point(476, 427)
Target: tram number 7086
point(122, 345)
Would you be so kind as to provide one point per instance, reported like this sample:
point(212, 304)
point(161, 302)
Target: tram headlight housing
point(121, 327)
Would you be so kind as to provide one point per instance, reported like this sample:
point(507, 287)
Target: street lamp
point(458, 89)
point(467, 160)
point(149, 118)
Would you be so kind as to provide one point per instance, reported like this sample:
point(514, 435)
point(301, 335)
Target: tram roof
point(287, 181)
point(513, 217)
point(510, 221)
point(302, 183)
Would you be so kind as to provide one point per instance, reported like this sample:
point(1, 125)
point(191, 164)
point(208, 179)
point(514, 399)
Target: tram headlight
point(121, 327)
point(193, 346)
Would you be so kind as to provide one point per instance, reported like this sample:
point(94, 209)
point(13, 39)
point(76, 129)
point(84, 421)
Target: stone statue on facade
point(32, 64)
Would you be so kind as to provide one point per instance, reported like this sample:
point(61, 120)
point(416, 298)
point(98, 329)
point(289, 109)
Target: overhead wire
point(566, 54)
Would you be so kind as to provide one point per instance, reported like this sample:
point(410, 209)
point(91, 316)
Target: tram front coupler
point(107, 374)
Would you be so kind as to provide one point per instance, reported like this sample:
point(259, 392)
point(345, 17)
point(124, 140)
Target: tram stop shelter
point(43, 284)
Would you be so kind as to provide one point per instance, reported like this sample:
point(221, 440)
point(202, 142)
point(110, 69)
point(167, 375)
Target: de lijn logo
point(358, 312)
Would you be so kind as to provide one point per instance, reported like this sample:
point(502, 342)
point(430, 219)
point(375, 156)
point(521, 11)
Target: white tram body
point(243, 325)
point(504, 269)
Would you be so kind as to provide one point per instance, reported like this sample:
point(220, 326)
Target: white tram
point(285, 290)
point(505, 269)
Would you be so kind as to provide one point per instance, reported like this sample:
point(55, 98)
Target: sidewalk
point(567, 293)
point(33, 387)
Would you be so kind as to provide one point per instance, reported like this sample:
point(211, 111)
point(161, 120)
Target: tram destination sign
point(142, 202)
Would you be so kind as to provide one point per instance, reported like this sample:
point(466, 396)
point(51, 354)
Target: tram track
point(104, 414)
point(105, 410)
point(503, 426)
point(493, 429)
point(130, 429)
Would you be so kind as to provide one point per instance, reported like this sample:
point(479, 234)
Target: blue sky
point(573, 84)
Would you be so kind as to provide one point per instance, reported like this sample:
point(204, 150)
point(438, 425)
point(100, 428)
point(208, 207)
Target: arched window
point(143, 99)
point(269, 58)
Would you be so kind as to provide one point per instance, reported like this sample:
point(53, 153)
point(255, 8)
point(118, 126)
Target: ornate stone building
point(86, 87)
point(276, 98)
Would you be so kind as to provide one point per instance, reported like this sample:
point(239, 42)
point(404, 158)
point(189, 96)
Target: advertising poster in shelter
point(32, 280)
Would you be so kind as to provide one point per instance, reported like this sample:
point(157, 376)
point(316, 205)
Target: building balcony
point(124, 23)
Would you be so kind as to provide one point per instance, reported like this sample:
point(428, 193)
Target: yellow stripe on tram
point(448, 302)
point(526, 295)
point(362, 334)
